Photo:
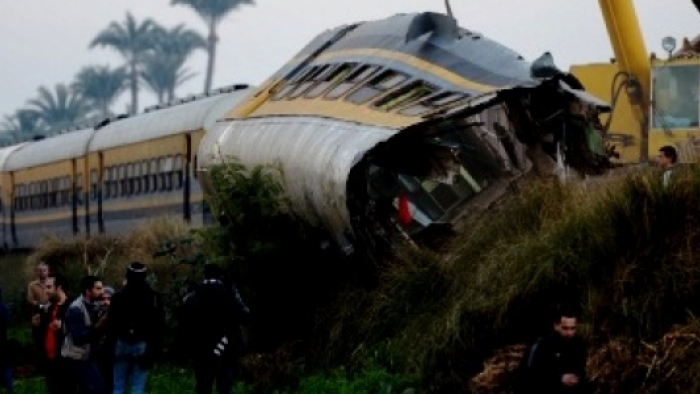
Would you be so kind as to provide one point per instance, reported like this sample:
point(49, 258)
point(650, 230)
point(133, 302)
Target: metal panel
point(50, 150)
point(173, 120)
point(6, 152)
point(316, 157)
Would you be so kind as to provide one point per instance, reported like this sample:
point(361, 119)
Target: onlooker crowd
point(95, 340)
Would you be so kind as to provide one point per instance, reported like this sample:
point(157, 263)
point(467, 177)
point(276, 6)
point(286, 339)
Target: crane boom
point(632, 58)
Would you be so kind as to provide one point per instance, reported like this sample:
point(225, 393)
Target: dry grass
point(108, 257)
point(622, 251)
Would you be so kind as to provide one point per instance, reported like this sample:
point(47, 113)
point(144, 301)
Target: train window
point(136, 178)
point(55, 190)
point(123, 190)
point(310, 79)
point(113, 182)
point(79, 188)
point(405, 95)
point(93, 184)
point(386, 80)
point(144, 176)
point(179, 172)
point(154, 175)
point(333, 76)
point(106, 182)
point(195, 163)
point(358, 75)
point(289, 86)
point(44, 194)
point(130, 179)
point(433, 103)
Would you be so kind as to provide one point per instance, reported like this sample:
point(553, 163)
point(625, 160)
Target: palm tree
point(133, 41)
point(212, 12)
point(60, 110)
point(24, 124)
point(163, 68)
point(101, 86)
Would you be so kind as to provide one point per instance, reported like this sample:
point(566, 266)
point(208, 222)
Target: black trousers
point(60, 378)
point(209, 371)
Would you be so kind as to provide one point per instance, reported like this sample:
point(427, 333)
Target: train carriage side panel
point(7, 194)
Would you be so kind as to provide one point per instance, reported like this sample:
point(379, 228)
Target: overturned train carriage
point(391, 127)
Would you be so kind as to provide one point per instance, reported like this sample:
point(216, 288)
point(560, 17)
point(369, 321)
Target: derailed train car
point(393, 126)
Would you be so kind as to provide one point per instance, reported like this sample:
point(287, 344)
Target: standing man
point(137, 322)
point(83, 330)
point(556, 363)
point(667, 161)
point(213, 315)
point(55, 368)
point(37, 298)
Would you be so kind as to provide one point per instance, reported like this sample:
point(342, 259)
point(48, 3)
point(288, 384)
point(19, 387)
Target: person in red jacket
point(55, 368)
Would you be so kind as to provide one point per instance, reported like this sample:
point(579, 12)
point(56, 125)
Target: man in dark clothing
point(84, 327)
point(213, 314)
point(55, 367)
point(137, 323)
point(5, 370)
point(556, 363)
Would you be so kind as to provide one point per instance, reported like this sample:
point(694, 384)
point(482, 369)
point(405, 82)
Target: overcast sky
point(45, 42)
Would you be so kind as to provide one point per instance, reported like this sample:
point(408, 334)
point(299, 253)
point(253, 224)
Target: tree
point(23, 125)
point(212, 12)
point(163, 68)
point(101, 86)
point(61, 108)
point(133, 41)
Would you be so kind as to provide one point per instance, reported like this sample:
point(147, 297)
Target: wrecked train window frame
point(308, 81)
point(434, 103)
point(383, 82)
point(292, 83)
point(407, 94)
point(354, 80)
point(330, 79)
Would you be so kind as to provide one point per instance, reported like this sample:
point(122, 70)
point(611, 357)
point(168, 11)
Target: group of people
point(104, 341)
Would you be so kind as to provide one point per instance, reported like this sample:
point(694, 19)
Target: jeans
point(128, 365)
point(89, 378)
point(208, 370)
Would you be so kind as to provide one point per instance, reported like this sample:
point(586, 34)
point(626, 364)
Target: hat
point(136, 272)
point(108, 290)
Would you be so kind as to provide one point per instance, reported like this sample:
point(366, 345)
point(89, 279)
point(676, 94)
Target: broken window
point(386, 80)
point(293, 83)
point(357, 76)
point(407, 94)
point(433, 103)
point(310, 79)
point(333, 76)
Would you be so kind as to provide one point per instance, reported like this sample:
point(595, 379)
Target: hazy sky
point(45, 42)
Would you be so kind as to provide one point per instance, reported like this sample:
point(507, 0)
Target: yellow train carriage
point(141, 167)
point(46, 186)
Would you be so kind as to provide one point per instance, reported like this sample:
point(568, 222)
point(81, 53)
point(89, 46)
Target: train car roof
point(50, 150)
point(6, 152)
point(190, 116)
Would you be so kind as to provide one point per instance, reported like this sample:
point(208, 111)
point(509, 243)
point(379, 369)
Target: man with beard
point(556, 363)
point(56, 372)
point(84, 328)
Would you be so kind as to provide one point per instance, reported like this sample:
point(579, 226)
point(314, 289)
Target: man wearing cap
point(213, 314)
point(137, 323)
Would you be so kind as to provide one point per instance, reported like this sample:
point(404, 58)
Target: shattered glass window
point(386, 80)
point(675, 96)
point(432, 103)
point(411, 92)
point(307, 81)
point(358, 75)
point(332, 77)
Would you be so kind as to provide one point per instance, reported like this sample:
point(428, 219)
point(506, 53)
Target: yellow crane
point(655, 101)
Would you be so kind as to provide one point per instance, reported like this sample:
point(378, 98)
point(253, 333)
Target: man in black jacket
point(136, 320)
point(213, 314)
point(556, 363)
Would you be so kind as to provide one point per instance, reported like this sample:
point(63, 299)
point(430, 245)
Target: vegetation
point(621, 250)
point(154, 56)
